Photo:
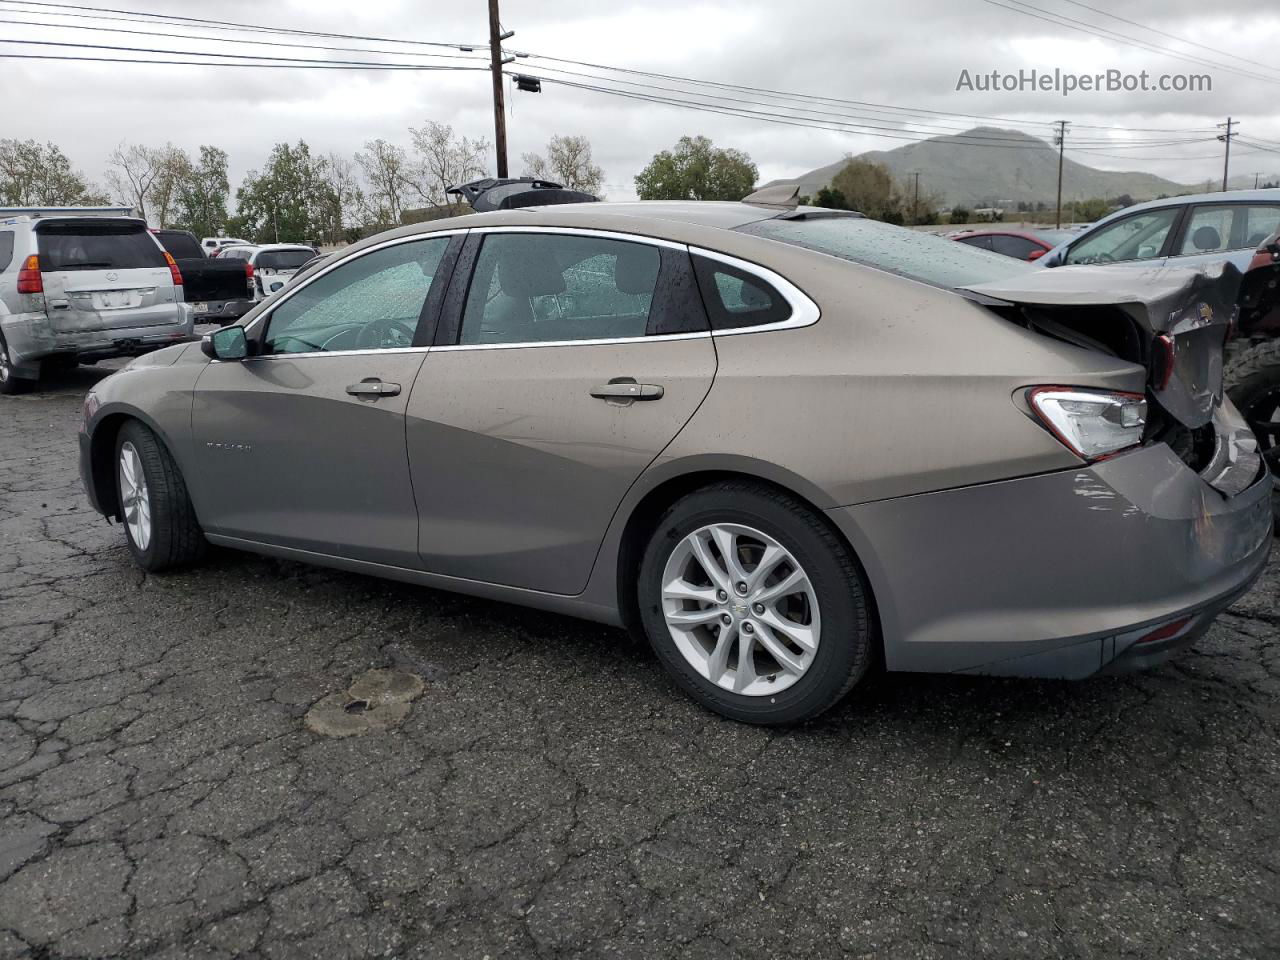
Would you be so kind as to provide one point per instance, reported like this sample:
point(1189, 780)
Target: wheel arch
point(102, 452)
point(647, 506)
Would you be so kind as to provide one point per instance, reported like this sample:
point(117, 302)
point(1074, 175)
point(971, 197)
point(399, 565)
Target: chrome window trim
point(586, 232)
point(804, 312)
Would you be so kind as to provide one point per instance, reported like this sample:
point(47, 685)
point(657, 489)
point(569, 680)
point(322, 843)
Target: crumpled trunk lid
point(1182, 318)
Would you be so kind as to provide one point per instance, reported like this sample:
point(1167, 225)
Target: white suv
point(77, 288)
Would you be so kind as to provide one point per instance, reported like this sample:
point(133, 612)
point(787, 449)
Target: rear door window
point(6, 249)
point(1218, 227)
point(540, 288)
point(101, 245)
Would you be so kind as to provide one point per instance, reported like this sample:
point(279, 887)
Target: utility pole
point(496, 36)
point(915, 203)
point(1060, 139)
point(1226, 138)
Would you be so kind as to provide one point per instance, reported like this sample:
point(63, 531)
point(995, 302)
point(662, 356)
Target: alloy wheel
point(6, 371)
point(134, 496)
point(741, 609)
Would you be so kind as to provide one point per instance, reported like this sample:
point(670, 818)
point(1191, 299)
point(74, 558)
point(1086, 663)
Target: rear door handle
point(624, 388)
point(373, 387)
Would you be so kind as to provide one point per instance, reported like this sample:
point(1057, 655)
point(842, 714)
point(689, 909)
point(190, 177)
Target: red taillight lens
point(173, 269)
point(29, 279)
point(248, 270)
point(1170, 629)
point(1166, 355)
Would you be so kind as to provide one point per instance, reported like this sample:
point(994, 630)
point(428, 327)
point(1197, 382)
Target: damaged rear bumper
point(1062, 574)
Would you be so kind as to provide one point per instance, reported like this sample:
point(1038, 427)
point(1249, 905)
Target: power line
point(198, 53)
point(928, 129)
point(858, 103)
point(318, 65)
point(1193, 43)
point(236, 40)
point(230, 24)
point(778, 118)
point(1081, 26)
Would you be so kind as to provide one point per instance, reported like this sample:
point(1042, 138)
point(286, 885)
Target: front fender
point(157, 395)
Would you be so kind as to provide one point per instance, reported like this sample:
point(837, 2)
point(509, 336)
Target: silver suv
point(80, 286)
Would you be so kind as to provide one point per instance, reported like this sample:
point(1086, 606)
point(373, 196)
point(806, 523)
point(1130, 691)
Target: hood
point(1183, 316)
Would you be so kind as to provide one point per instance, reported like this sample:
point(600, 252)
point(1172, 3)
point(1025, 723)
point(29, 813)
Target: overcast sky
point(907, 53)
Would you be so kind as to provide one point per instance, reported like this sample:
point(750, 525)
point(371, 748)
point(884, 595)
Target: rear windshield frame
point(941, 263)
point(269, 255)
point(104, 244)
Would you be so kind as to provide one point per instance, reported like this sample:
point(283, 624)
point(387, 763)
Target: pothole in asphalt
point(376, 700)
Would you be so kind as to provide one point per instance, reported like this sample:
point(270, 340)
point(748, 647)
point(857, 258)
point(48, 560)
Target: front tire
point(1252, 380)
point(160, 523)
point(754, 605)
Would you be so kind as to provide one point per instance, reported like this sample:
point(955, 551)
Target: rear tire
point(1252, 380)
point(10, 383)
point(160, 523)
point(807, 644)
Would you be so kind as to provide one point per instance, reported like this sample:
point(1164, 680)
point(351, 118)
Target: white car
point(212, 244)
point(270, 264)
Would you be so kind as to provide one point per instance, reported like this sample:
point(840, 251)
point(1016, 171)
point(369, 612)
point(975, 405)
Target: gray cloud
point(909, 53)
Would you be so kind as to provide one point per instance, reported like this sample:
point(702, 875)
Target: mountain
point(964, 173)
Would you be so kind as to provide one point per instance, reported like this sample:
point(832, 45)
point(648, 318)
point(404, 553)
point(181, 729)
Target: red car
point(1019, 244)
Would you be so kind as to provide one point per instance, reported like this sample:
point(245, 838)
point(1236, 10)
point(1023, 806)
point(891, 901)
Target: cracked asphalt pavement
point(551, 794)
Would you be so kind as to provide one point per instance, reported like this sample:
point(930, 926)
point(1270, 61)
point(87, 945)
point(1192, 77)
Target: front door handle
point(373, 387)
point(625, 388)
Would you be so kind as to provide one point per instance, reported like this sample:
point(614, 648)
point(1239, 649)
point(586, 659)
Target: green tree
point(697, 170)
point(41, 175)
point(833, 199)
point(869, 188)
point(287, 201)
point(568, 162)
point(202, 194)
point(960, 215)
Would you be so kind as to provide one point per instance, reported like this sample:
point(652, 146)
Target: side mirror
point(229, 343)
point(1036, 254)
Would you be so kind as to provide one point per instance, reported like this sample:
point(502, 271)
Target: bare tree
point(443, 160)
point(386, 167)
point(345, 197)
point(133, 173)
point(173, 168)
point(567, 162)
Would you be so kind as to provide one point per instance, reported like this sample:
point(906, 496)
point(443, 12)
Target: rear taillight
point(248, 270)
point(173, 269)
point(29, 279)
point(1092, 424)
point(1165, 356)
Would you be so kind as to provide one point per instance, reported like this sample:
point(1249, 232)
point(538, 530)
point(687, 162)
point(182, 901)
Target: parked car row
point(676, 417)
point(78, 285)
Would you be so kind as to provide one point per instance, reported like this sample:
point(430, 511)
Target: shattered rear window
point(908, 253)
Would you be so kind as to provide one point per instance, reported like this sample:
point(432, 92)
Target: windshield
point(284, 259)
point(907, 253)
point(101, 245)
